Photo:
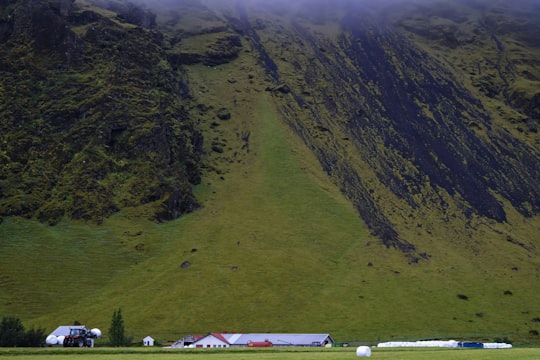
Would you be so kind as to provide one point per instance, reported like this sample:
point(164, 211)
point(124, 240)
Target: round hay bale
point(51, 340)
point(363, 351)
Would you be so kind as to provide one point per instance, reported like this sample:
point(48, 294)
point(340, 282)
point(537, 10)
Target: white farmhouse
point(212, 340)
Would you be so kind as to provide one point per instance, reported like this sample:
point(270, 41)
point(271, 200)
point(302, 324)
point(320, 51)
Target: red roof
point(220, 337)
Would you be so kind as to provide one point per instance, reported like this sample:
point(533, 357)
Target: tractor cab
point(77, 332)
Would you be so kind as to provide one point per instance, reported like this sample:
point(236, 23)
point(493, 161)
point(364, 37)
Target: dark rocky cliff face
point(385, 115)
point(92, 117)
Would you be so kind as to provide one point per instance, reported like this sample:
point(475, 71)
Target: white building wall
point(210, 342)
point(148, 341)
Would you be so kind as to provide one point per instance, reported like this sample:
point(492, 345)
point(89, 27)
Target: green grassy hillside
point(341, 185)
point(275, 247)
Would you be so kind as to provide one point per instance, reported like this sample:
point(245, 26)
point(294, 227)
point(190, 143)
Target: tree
point(35, 337)
point(117, 335)
point(11, 332)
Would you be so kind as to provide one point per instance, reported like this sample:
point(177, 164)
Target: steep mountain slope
point(299, 124)
point(424, 138)
point(92, 117)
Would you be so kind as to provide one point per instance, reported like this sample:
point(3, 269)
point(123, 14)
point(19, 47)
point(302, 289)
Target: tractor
point(81, 337)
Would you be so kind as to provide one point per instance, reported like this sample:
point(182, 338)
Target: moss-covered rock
point(93, 117)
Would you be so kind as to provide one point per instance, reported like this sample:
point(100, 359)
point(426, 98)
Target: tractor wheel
point(66, 343)
point(80, 343)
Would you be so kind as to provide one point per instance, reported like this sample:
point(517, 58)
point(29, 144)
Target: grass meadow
point(270, 354)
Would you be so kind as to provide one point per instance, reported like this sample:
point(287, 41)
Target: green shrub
point(13, 334)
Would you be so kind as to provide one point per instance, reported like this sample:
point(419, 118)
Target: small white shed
point(148, 341)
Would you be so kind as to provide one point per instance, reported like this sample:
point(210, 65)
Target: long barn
point(221, 340)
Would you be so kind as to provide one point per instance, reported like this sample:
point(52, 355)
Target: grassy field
point(272, 354)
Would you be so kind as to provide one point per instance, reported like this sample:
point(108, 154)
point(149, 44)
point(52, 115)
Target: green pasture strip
point(48, 267)
point(272, 353)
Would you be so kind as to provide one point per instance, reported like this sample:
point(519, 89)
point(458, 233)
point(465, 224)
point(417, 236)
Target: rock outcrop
point(92, 117)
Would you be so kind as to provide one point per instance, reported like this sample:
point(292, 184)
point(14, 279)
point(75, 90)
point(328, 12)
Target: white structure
point(185, 342)
point(64, 330)
point(363, 351)
point(213, 340)
point(148, 341)
point(421, 343)
point(52, 340)
point(497, 346)
point(444, 343)
point(281, 339)
point(223, 340)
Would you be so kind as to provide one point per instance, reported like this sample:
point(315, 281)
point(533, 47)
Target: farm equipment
point(81, 337)
point(265, 343)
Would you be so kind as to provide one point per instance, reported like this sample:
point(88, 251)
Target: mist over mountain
point(421, 116)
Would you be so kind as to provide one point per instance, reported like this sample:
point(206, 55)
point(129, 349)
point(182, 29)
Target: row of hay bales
point(445, 343)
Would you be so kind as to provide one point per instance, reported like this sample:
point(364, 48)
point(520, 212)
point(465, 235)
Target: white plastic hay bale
point(497, 346)
point(420, 343)
point(96, 332)
point(363, 351)
point(391, 344)
point(61, 339)
point(51, 340)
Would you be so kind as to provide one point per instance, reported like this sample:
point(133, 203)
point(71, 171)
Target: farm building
point(217, 340)
point(148, 341)
point(185, 341)
point(213, 340)
point(65, 329)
